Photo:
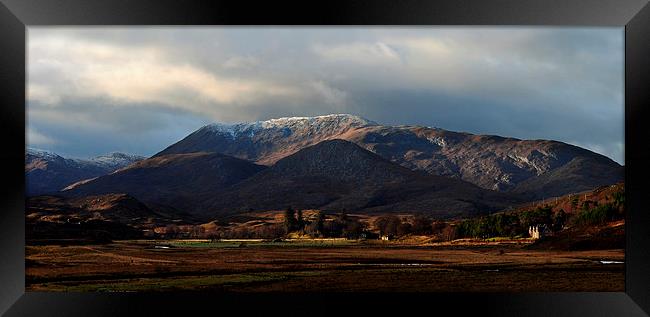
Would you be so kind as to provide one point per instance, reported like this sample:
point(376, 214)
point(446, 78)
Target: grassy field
point(318, 265)
point(235, 243)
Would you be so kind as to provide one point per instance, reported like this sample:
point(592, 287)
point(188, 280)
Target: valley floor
point(318, 266)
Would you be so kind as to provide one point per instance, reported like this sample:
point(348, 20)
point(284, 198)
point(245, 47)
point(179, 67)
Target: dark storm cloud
point(139, 89)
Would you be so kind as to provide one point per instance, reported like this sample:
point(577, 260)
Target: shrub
point(499, 225)
point(315, 227)
point(574, 202)
point(597, 215)
point(404, 228)
point(388, 225)
point(619, 199)
point(559, 219)
point(538, 216)
point(290, 222)
point(422, 225)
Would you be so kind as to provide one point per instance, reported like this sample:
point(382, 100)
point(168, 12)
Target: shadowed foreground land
point(317, 266)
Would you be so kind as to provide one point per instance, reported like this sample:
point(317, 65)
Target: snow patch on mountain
point(116, 159)
point(44, 154)
point(289, 125)
point(525, 162)
point(235, 130)
point(439, 141)
point(108, 161)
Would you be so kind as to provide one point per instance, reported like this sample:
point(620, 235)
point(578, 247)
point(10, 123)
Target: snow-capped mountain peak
point(47, 172)
point(44, 154)
point(110, 160)
point(317, 124)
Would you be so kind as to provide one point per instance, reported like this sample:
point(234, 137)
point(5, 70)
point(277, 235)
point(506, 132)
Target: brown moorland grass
point(308, 266)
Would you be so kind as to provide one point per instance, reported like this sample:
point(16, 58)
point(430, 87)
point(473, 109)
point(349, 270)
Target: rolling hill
point(179, 181)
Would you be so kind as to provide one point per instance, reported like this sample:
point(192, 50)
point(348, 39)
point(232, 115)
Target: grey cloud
point(481, 116)
point(90, 127)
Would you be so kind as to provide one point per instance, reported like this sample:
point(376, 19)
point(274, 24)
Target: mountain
point(266, 142)
point(339, 175)
point(47, 172)
point(579, 174)
point(534, 168)
point(178, 181)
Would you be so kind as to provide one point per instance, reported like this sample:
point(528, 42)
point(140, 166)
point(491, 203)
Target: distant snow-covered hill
point(47, 172)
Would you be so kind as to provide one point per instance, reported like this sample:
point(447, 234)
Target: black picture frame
point(17, 15)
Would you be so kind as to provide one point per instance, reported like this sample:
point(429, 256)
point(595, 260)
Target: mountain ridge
point(489, 161)
point(47, 172)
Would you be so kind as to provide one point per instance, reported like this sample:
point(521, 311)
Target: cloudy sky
point(95, 90)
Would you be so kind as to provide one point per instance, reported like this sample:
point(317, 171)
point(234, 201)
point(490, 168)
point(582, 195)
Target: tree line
point(342, 225)
point(517, 224)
